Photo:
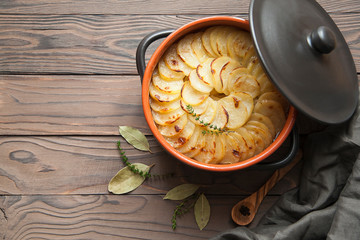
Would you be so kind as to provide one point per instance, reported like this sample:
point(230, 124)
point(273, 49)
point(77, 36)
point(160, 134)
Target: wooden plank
point(85, 165)
point(71, 105)
point(63, 105)
point(109, 217)
point(150, 7)
point(99, 44)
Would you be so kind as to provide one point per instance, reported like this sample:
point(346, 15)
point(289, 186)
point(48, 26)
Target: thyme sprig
point(135, 170)
point(132, 167)
point(216, 130)
point(183, 208)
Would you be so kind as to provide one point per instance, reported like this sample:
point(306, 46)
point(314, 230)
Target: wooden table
point(68, 80)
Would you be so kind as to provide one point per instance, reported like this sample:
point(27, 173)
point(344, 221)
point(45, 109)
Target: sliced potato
point(249, 57)
point(207, 152)
point(204, 72)
point(192, 96)
point(162, 96)
point(208, 116)
point(277, 97)
point(266, 134)
point(243, 150)
point(185, 51)
point(192, 146)
point(164, 107)
point(221, 117)
point(198, 110)
point(175, 128)
point(167, 118)
point(198, 48)
point(248, 84)
point(225, 75)
point(197, 83)
point(255, 68)
point(205, 39)
point(170, 87)
point(249, 141)
point(174, 62)
point(219, 149)
point(216, 65)
point(238, 43)
point(238, 114)
point(232, 150)
point(258, 140)
point(245, 99)
point(265, 120)
point(221, 39)
point(272, 110)
point(168, 74)
point(265, 84)
point(182, 138)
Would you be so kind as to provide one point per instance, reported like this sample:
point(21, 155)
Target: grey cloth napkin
point(326, 204)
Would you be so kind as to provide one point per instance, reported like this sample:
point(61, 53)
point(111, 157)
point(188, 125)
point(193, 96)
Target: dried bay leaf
point(134, 137)
point(202, 211)
point(126, 181)
point(182, 191)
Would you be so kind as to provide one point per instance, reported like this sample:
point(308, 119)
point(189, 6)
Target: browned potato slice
point(175, 128)
point(238, 43)
point(192, 96)
point(167, 118)
point(240, 80)
point(221, 117)
point(198, 110)
point(234, 149)
point(265, 84)
point(266, 134)
point(238, 114)
point(174, 62)
point(168, 74)
point(208, 116)
point(245, 99)
point(182, 138)
point(164, 107)
point(198, 48)
point(219, 148)
point(216, 65)
point(207, 152)
point(170, 87)
point(192, 146)
point(250, 57)
point(197, 83)
point(200, 143)
point(272, 110)
point(186, 52)
point(162, 96)
point(277, 97)
point(225, 75)
point(205, 39)
point(265, 120)
point(204, 72)
point(218, 39)
point(249, 141)
point(255, 67)
point(242, 146)
point(258, 140)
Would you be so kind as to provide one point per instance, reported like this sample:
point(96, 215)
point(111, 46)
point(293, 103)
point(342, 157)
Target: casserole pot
point(315, 41)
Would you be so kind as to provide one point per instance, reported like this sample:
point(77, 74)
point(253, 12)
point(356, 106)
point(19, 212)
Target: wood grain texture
point(99, 44)
point(108, 217)
point(85, 165)
point(149, 7)
point(71, 105)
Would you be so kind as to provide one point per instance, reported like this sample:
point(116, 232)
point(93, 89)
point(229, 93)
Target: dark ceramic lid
point(306, 56)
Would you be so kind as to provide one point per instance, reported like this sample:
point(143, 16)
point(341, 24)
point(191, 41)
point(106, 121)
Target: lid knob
point(322, 40)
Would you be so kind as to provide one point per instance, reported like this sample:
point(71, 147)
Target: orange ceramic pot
point(146, 74)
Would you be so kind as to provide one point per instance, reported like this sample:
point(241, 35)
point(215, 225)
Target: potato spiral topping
point(212, 80)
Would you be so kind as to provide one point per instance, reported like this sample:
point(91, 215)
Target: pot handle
point(288, 158)
point(144, 44)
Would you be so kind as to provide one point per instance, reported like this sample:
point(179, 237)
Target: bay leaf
point(126, 181)
point(202, 211)
point(182, 191)
point(134, 137)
